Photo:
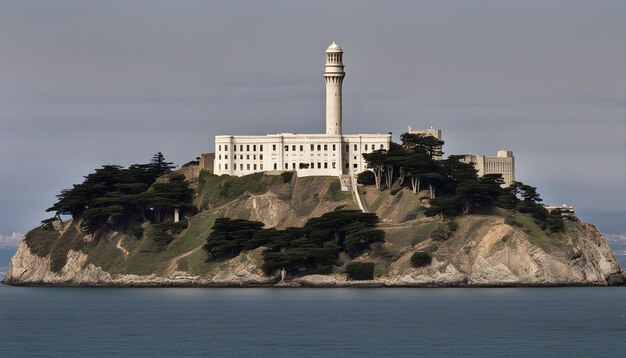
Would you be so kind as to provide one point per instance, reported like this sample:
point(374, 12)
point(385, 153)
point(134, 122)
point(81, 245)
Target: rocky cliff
point(483, 250)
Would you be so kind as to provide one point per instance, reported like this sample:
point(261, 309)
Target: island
point(322, 210)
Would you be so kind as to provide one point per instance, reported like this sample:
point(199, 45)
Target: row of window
point(293, 147)
point(241, 156)
point(293, 166)
point(219, 147)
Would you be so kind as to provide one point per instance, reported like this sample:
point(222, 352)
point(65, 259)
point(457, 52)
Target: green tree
point(424, 143)
point(360, 270)
point(376, 162)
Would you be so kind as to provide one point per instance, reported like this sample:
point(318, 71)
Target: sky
point(88, 83)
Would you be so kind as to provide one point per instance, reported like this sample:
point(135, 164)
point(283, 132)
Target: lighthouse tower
point(333, 74)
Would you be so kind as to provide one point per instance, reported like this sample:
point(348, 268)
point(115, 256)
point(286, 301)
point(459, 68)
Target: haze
point(86, 83)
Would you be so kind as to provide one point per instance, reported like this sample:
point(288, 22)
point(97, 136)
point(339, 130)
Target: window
point(334, 148)
point(219, 167)
point(225, 156)
point(248, 166)
point(261, 165)
point(226, 166)
point(312, 165)
point(293, 165)
point(325, 165)
point(325, 146)
point(261, 148)
point(355, 166)
point(254, 167)
point(274, 147)
point(334, 165)
point(286, 166)
point(381, 146)
point(241, 147)
point(254, 148)
point(355, 148)
point(319, 147)
point(312, 147)
point(366, 147)
point(219, 156)
point(248, 156)
point(261, 156)
point(301, 148)
point(240, 166)
point(247, 147)
point(319, 165)
point(293, 147)
point(275, 166)
point(286, 148)
point(226, 147)
point(347, 165)
point(355, 157)
point(219, 148)
point(234, 148)
point(347, 147)
point(254, 157)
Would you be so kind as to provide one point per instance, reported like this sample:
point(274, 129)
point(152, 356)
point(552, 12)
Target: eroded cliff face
point(483, 251)
point(499, 254)
point(495, 254)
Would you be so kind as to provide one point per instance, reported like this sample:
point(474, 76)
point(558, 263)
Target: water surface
point(265, 322)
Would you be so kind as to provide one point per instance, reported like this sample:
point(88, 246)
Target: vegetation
point(313, 248)
point(163, 234)
point(214, 190)
point(421, 259)
point(454, 187)
point(360, 270)
point(334, 192)
point(443, 231)
point(114, 197)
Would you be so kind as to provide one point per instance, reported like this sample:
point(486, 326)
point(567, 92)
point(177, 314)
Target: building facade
point(503, 163)
point(329, 154)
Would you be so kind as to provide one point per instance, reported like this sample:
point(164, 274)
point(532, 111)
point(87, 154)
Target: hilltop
point(493, 247)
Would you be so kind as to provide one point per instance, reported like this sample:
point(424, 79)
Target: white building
point(330, 154)
point(503, 163)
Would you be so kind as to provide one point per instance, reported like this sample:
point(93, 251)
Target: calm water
point(507, 322)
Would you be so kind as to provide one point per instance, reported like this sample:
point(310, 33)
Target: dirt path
point(123, 250)
point(173, 265)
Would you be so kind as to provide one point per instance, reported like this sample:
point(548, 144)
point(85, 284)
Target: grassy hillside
point(279, 201)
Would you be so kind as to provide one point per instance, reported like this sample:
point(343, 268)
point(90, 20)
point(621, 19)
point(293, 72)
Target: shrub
point(377, 249)
point(286, 176)
point(442, 232)
point(40, 240)
point(136, 231)
point(411, 215)
point(366, 178)
point(512, 221)
point(421, 259)
point(554, 223)
point(360, 270)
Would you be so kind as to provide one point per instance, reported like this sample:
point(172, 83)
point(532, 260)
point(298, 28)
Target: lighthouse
point(330, 153)
point(333, 75)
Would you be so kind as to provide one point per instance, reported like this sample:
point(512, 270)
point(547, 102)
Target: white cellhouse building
point(329, 154)
point(503, 163)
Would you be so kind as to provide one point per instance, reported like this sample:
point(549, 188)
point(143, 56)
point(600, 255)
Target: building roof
point(334, 48)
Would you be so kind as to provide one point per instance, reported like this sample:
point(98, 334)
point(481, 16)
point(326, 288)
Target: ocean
point(266, 322)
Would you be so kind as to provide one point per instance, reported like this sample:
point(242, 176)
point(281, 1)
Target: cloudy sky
point(86, 83)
